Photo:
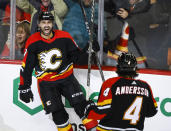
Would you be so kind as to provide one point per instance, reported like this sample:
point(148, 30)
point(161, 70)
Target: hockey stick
point(99, 66)
point(90, 48)
point(90, 28)
point(90, 31)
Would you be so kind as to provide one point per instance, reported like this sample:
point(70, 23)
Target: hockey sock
point(65, 127)
point(89, 123)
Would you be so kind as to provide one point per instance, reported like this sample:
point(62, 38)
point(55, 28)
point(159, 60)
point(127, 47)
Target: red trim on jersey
point(107, 84)
point(123, 42)
point(48, 77)
point(103, 99)
point(95, 116)
point(21, 80)
point(127, 30)
point(58, 34)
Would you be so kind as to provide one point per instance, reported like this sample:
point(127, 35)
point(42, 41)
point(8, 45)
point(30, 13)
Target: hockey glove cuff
point(25, 94)
point(90, 106)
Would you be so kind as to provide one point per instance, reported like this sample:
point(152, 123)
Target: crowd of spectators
point(73, 15)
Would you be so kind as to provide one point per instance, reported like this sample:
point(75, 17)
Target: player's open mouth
point(46, 29)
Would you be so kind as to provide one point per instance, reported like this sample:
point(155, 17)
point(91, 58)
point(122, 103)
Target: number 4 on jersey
point(133, 112)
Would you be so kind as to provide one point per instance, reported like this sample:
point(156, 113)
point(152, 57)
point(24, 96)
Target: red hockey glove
point(25, 94)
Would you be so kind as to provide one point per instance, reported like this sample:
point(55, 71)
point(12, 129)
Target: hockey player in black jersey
point(124, 101)
point(52, 54)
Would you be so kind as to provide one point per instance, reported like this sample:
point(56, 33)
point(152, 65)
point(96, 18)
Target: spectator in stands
point(79, 14)
point(3, 4)
point(124, 10)
point(22, 33)
point(57, 7)
point(159, 14)
point(3, 29)
point(20, 16)
point(120, 45)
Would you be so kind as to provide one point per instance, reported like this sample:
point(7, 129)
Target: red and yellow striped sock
point(65, 128)
point(89, 123)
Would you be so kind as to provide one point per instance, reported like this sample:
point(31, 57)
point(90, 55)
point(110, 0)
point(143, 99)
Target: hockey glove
point(95, 46)
point(90, 106)
point(25, 94)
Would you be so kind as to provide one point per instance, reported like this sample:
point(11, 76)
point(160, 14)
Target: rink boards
point(16, 115)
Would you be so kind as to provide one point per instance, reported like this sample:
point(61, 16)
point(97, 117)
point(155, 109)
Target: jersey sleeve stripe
point(105, 102)
point(104, 107)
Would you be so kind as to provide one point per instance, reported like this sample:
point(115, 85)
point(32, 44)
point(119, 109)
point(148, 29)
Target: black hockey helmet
point(46, 16)
point(127, 64)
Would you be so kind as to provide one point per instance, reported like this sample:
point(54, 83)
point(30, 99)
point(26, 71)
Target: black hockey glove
point(90, 106)
point(95, 46)
point(25, 94)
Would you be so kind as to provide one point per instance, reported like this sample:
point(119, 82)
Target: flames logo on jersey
point(50, 60)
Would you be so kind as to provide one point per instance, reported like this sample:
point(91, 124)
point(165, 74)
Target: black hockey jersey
point(125, 102)
point(52, 58)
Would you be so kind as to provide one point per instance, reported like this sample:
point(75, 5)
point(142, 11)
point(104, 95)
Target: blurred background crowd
point(138, 26)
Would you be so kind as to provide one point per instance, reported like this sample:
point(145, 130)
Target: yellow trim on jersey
point(23, 64)
point(70, 68)
point(67, 128)
point(122, 48)
point(155, 104)
point(105, 102)
point(143, 58)
point(100, 129)
point(110, 54)
point(85, 121)
point(44, 74)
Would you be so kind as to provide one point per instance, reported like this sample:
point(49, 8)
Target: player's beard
point(46, 30)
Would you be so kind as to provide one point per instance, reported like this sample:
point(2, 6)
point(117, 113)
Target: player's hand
point(25, 94)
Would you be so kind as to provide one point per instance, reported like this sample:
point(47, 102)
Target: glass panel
point(15, 30)
point(4, 29)
point(76, 18)
point(22, 30)
point(148, 22)
point(149, 31)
